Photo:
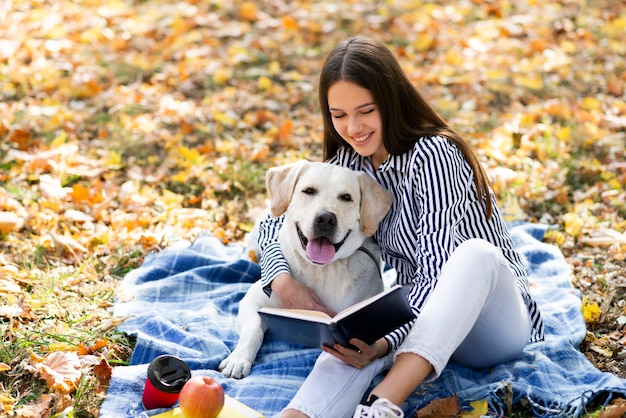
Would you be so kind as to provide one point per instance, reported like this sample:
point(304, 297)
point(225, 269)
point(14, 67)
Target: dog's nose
point(325, 222)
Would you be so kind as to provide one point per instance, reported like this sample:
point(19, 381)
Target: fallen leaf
point(248, 11)
point(16, 307)
point(61, 370)
point(591, 311)
point(616, 410)
point(6, 402)
point(284, 132)
point(10, 222)
point(40, 408)
point(103, 372)
point(440, 408)
point(479, 408)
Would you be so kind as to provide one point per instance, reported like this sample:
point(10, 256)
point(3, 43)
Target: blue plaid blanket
point(183, 301)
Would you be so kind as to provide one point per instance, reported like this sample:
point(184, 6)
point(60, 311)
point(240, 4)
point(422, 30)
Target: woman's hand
point(362, 354)
point(292, 294)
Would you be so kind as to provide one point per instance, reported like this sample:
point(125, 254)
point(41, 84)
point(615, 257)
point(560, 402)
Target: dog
point(331, 212)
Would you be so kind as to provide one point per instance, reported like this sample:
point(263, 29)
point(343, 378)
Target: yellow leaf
point(564, 134)
point(115, 158)
point(6, 402)
point(591, 103)
point(479, 408)
point(59, 140)
point(591, 311)
point(264, 83)
point(424, 41)
point(573, 224)
point(224, 147)
point(274, 68)
point(222, 75)
point(530, 81)
point(511, 210)
point(60, 346)
point(224, 119)
point(615, 27)
point(191, 155)
point(171, 199)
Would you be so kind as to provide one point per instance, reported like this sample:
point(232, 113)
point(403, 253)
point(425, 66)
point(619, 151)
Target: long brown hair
point(406, 116)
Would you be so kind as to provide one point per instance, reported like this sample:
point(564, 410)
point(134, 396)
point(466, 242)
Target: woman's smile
point(361, 139)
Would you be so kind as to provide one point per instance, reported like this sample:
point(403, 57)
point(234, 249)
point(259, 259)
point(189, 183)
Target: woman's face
point(357, 119)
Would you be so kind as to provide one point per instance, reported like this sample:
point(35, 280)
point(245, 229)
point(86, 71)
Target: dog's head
point(329, 209)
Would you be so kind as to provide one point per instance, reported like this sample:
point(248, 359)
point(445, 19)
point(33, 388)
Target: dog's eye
point(346, 197)
point(309, 190)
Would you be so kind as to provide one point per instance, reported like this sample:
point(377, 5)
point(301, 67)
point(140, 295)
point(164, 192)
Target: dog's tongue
point(320, 250)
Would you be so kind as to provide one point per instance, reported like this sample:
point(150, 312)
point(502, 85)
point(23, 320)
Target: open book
point(368, 320)
point(232, 409)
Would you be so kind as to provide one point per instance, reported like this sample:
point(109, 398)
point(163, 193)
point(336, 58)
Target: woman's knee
point(478, 248)
point(475, 255)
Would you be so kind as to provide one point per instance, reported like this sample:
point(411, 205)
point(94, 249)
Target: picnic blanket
point(184, 299)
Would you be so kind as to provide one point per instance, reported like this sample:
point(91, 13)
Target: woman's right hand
point(292, 294)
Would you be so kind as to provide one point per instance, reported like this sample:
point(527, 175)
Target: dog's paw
point(235, 366)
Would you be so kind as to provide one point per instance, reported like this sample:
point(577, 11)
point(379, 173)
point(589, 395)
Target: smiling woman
point(356, 118)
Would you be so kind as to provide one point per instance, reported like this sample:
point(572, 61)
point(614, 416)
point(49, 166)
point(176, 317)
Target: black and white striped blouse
point(435, 208)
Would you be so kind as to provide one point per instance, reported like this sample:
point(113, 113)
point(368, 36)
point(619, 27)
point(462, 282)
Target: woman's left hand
point(361, 354)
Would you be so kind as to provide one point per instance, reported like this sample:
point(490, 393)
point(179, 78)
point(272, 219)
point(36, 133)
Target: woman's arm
point(275, 274)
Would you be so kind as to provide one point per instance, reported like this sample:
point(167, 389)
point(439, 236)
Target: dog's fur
point(321, 202)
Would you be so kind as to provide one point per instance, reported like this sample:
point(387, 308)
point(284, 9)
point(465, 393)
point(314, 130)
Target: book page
point(359, 305)
point(305, 314)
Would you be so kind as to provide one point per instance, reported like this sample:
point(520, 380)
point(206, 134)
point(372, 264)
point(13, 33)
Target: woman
point(444, 236)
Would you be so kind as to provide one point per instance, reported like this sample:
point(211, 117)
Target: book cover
point(368, 320)
point(232, 409)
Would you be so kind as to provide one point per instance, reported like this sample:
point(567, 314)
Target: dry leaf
point(39, 408)
point(616, 410)
point(440, 408)
point(6, 402)
point(103, 372)
point(61, 370)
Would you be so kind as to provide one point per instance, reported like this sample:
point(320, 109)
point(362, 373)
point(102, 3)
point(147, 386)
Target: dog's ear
point(375, 203)
point(281, 182)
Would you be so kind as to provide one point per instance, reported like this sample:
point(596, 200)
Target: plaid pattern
point(183, 301)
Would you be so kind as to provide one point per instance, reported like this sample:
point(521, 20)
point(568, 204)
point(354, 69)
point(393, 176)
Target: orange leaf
point(284, 132)
point(103, 372)
point(84, 350)
point(248, 11)
point(616, 410)
point(79, 193)
point(290, 23)
point(20, 137)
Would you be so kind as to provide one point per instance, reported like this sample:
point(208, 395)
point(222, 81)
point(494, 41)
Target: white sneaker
point(380, 408)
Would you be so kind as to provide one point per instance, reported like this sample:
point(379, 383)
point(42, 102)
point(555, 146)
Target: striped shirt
point(435, 208)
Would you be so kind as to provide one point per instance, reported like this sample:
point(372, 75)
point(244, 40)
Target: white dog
point(331, 212)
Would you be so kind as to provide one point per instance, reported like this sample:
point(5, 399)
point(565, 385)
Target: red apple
point(201, 397)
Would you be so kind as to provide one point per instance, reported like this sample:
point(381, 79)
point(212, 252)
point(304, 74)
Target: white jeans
point(475, 316)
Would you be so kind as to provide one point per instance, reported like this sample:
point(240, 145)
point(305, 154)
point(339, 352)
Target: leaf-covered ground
point(129, 124)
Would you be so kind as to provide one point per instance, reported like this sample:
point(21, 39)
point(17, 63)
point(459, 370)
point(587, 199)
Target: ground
point(129, 124)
